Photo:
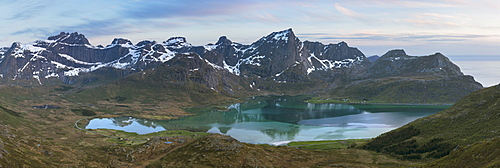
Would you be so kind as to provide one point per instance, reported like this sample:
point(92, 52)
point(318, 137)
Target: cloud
point(266, 17)
point(348, 12)
point(441, 37)
point(395, 37)
point(26, 10)
point(434, 20)
point(407, 3)
point(89, 28)
point(186, 8)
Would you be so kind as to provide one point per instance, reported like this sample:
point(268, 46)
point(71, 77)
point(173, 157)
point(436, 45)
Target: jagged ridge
point(278, 62)
point(70, 54)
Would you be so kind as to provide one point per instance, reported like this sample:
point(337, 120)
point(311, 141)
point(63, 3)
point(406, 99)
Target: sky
point(421, 27)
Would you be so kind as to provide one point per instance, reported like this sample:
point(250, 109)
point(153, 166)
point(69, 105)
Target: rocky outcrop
point(70, 38)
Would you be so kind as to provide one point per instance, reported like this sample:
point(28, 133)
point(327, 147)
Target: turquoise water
point(279, 119)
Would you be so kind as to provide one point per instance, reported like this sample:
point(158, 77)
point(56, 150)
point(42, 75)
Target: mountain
point(187, 79)
point(373, 58)
point(472, 120)
point(70, 54)
point(279, 63)
point(399, 78)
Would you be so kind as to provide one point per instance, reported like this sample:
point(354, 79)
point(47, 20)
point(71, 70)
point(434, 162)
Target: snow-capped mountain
point(71, 54)
point(278, 63)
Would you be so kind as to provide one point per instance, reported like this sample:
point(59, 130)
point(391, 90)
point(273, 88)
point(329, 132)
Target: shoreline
point(336, 101)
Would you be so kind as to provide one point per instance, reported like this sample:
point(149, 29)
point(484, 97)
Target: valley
point(165, 81)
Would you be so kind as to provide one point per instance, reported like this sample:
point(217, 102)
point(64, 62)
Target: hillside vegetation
point(471, 120)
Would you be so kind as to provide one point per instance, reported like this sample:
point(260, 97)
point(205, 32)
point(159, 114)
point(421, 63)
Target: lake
point(280, 119)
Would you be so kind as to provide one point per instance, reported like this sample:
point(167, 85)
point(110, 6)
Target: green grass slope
point(217, 150)
point(423, 90)
point(17, 147)
point(482, 154)
point(472, 119)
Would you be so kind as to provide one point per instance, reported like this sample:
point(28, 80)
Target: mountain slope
point(481, 154)
point(16, 143)
point(399, 78)
point(472, 119)
point(223, 151)
point(186, 79)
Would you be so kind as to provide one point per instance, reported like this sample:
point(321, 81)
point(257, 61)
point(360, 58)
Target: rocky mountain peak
point(342, 44)
point(121, 41)
point(438, 54)
point(70, 38)
point(395, 53)
point(223, 40)
point(177, 42)
point(284, 35)
point(145, 42)
point(373, 58)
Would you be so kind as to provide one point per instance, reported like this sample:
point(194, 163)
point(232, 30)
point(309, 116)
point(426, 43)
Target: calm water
point(273, 120)
point(484, 68)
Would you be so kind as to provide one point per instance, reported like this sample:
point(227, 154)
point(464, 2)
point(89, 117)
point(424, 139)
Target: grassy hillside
point(223, 151)
point(481, 154)
point(17, 147)
point(424, 90)
point(472, 119)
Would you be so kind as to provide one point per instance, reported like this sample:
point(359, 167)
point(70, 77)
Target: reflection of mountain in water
point(122, 121)
point(126, 121)
point(271, 119)
point(282, 133)
point(293, 110)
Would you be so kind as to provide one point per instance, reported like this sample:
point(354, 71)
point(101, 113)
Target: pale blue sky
point(421, 27)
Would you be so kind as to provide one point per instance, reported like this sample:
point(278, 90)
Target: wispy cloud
point(89, 28)
point(186, 8)
point(395, 37)
point(440, 37)
point(348, 12)
point(266, 17)
point(23, 11)
point(407, 3)
point(435, 20)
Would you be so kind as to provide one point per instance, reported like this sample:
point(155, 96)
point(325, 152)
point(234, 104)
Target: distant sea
point(484, 68)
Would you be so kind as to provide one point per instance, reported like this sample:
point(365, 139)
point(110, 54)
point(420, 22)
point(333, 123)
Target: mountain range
point(158, 79)
point(279, 63)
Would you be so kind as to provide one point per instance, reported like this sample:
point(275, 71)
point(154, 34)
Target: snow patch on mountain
point(232, 69)
point(210, 47)
point(213, 65)
point(331, 64)
point(70, 58)
point(253, 60)
point(177, 42)
point(282, 36)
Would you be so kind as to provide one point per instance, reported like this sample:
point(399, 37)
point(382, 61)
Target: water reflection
point(275, 119)
point(127, 124)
